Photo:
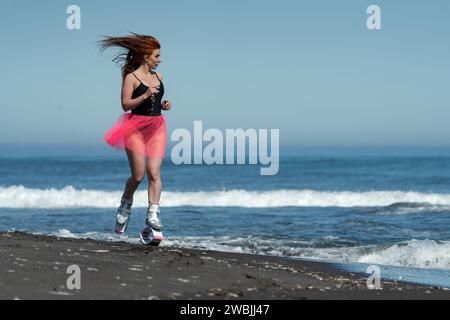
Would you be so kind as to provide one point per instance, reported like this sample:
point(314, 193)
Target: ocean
point(353, 211)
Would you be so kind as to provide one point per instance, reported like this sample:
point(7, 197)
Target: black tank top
point(152, 106)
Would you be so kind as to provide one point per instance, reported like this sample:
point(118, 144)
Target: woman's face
point(154, 59)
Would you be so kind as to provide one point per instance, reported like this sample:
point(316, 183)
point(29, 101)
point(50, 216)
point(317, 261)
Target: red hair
point(136, 46)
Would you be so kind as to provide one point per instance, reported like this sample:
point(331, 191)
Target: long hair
point(136, 46)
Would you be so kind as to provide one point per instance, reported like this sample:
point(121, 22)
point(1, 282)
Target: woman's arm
point(127, 91)
point(166, 104)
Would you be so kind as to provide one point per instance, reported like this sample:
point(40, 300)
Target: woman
point(142, 133)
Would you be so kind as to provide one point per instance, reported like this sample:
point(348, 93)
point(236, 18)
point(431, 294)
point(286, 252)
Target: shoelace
point(124, 212)
point(125, 206)
point(153, 215)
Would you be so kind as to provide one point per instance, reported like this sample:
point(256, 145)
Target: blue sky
point(309, 68)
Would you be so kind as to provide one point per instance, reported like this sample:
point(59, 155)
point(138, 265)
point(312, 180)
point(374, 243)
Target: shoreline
point(35, 267)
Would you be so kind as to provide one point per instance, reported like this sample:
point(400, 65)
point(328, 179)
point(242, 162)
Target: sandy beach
point(35, 267)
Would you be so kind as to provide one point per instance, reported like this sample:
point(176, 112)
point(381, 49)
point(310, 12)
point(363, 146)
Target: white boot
point(152, 219)
point(123, 215)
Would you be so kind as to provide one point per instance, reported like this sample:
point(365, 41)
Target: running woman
point(142, 132)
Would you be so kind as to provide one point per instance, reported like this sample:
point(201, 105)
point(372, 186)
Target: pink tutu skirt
point(143, 134)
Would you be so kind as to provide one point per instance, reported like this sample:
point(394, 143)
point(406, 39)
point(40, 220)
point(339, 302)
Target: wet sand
point(35, 267)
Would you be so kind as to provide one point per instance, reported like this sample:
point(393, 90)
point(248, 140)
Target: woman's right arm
point(127, 91)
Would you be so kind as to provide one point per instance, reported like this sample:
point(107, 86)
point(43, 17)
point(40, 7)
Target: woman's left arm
point(166, 104)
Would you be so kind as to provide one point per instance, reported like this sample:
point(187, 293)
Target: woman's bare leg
point(154, 179)
point(137, 168)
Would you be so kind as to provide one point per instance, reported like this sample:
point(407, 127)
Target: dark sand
point(34, 267)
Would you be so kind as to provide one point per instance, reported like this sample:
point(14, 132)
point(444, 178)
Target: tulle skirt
point(143, 134)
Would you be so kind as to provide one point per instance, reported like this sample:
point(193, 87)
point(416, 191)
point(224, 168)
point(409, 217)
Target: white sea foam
point(414, 253)
point(64, 233)
point(69, 197)
point(428, 254)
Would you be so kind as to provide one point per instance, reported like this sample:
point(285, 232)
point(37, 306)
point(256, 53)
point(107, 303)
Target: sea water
point(354, 211)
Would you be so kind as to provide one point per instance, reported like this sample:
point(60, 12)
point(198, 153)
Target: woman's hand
point(166, 105)
point(150, 93)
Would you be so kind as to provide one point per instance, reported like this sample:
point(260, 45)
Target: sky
point(310, 68)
